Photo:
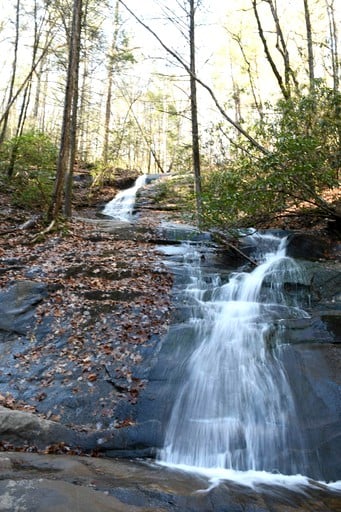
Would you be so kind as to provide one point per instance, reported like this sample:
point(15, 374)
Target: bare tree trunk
point(38, 91)
point(268, 55)
point(283, 49)
point(4, 119)
point(194, 115)
point(68, 136)
point(311, 66)
point(284, 82)
point(75, 44)
point(85, 91)
point(333, 34)
point(256, 99)
point(110, 77)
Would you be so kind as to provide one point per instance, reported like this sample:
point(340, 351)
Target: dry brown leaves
point(108, 296)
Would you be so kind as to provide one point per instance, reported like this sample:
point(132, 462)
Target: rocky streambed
point(59, 483)
point(88, 335)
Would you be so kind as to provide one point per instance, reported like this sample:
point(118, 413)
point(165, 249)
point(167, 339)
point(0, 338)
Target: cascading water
point(236, 409)
point(121, 207)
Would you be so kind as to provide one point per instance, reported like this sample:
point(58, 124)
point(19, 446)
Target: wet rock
point(24, 428)
point(17, 305)
point(324, 280)
point(123, 178)
point(40, 483)
point(56, 496)
point(308, 247)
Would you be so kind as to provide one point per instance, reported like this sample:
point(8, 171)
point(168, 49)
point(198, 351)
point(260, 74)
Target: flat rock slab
point(17, 305)
point(40, 483)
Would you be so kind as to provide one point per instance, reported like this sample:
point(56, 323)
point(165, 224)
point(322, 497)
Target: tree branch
point(177, 57)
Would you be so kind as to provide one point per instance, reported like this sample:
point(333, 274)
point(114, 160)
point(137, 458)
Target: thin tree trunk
point(68, 136)
point(256, 99)
point(110, 77)
point(194, 116)
point(311, 66)
point(75, 44)
point(282, 48)
point(38, 92)
point(84, 95)
point(5, 116)
point(279, 78)
point(333, 34)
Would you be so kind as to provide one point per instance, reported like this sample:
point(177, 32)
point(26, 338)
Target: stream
point(230, 401)
point(236, 409)
point(233, 406)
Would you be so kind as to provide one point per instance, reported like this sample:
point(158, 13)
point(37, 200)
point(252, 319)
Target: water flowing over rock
point(122, 205)
point(236, 408)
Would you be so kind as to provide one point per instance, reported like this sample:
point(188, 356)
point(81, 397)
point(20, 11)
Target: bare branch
point(177, 57)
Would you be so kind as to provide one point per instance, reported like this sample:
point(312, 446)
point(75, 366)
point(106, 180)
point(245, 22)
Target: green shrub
point(29, 162)
point(304, 141)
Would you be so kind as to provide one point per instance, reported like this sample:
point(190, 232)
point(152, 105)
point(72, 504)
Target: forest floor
point(89, 270)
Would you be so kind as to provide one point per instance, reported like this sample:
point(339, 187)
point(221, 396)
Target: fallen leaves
point(107, 299)
point(10, 402)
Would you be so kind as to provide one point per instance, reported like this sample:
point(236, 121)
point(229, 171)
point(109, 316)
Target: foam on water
point(252, 478)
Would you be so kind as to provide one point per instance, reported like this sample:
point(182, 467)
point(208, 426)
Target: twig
point(222, 239)
point(44, 232)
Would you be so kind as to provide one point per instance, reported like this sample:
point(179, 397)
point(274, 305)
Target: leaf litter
point(107, 300)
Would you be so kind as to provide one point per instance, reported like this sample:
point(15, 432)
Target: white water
point(235, 414)
point(121, 207)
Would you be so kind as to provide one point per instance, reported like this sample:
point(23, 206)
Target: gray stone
point(17, 305)
point(57, 483)
point(19, 427)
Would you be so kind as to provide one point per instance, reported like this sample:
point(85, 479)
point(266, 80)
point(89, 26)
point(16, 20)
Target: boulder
point(25, 428)
point(308, 247)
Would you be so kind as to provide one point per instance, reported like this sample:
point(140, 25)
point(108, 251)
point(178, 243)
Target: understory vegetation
point(27, 167)
point(301, 138)
point(301, 162)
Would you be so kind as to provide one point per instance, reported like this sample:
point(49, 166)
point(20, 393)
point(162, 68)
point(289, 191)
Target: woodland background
point(239, 104)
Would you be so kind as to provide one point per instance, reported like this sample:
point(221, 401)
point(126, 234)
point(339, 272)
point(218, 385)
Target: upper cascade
point(122, 206)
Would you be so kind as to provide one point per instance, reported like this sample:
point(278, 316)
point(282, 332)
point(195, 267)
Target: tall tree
point(194, 111)
point(4, 119)
point(333, 41)
point(67, 150)
point(311, 65)
point(111, 62)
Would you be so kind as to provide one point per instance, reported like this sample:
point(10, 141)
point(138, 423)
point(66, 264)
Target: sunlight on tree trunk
point(68, 136)
point(311, 65)
point(194, 116)
point(4, 119)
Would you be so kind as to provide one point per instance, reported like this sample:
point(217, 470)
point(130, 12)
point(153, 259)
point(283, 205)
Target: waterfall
point(121, 207)
point(235, 409)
